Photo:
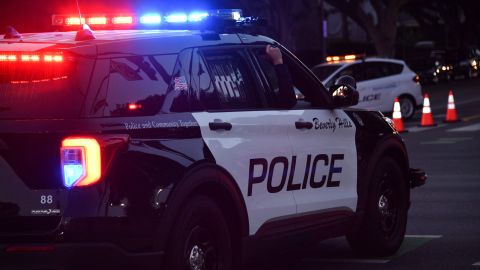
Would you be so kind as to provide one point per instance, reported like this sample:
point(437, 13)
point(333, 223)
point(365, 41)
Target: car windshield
point(322, 72)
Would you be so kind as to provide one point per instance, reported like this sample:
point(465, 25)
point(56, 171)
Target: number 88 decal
point(46, 199)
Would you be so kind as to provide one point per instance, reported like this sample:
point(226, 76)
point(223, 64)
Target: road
point(444, 220)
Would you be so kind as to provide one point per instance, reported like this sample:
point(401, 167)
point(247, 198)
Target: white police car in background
point(168, 149)
point(379, 81)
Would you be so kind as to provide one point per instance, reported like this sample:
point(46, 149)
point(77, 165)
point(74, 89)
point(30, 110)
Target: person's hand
point(275, 54)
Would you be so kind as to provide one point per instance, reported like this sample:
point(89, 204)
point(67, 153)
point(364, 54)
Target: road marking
point(418, 129)
point(448, 140)
point(422, 236)
point(470, 118)
point(476, 264)
point(474, 127)
point(346, 260)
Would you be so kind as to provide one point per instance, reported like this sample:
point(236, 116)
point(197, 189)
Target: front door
point(324, 160)
point(251, 143)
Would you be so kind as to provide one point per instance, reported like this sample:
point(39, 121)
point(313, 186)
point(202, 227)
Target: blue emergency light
point(150, 19)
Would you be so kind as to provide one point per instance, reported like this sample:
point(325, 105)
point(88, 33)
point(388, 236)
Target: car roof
point(368, 59)
point(100, 35)
point(129, 41)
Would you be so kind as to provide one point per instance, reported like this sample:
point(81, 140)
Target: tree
point(455, 24)
point(292, 23)
point(380, 23)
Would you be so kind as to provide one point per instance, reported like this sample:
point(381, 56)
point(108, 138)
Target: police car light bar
point(146, 19)
point(348, 57)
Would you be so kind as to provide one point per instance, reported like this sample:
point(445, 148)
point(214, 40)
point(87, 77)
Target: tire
point(407, 107)
point(201, 239)
point(385, 221)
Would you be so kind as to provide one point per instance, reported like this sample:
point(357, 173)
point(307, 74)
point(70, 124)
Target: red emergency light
point(69, 21)
point(31, 57)
point(93, 20)
point(134, 106)
point(122, 20)
point(35, 66)
point(97, 20)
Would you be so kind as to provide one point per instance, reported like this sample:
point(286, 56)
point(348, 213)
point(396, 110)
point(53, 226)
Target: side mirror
point(344, 92)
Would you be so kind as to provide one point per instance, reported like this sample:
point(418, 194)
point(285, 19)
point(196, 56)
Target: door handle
point(303, 125)
point(219, 126)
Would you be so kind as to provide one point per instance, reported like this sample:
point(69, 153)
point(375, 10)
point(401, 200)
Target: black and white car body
point(167, 149)
point(379, 82)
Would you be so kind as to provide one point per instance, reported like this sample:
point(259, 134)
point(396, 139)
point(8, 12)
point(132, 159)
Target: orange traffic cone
point(427, 118)
point(451, 116)
point(397, 116)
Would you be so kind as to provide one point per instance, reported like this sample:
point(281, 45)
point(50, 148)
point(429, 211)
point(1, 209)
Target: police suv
point(380, 81)
point(168, 149)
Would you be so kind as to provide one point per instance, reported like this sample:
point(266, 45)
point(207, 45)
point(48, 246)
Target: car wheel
point(407, 107)
point(201, 240)
point(384, 224)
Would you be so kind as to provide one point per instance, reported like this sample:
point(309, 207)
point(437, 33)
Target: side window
point(223, 81)
point(373, 70)
point(305, 85)
point(176, 99)
point(392, 68)
point(141, 85)
point(269, 74)
point(204, 96)
point(355, 70)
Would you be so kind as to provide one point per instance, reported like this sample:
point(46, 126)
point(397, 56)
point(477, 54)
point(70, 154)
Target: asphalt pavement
point(444, 220)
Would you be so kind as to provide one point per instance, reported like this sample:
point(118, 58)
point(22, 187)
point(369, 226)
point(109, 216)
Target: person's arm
point(286, 94)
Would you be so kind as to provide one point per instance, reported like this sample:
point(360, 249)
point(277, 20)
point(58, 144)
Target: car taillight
point(416, 79)
point(81, 161)
point(85, 159)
